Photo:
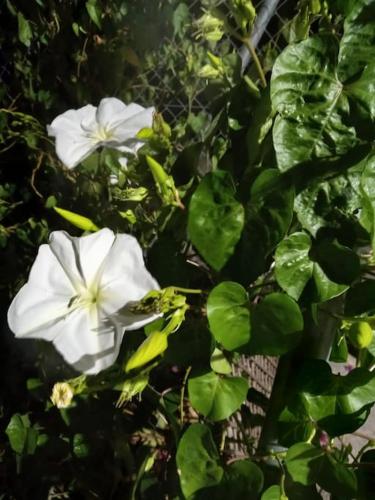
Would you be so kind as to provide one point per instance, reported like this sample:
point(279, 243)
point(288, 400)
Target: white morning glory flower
point(77, 294)
point(79, 132)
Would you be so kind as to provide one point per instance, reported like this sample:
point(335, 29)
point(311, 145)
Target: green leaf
point(192, 346)
point(293, 267)
point(276, 325)
point(25, 33)
point(243, 479)
point(368, 198)
point(338, 404)
point(219, 363)
point(273, 493)
point(360, 299)
point(94, 10)
point(326, 289)
point(339, 353)
point(216, 218)
point(332, 205)
point(366, 478)
point(340, 263)
point(268, 216)
point(309, 98)
point(308, 465)
point(181, 18)
point(336, 478)
point(228, 315)
point(198, 460)
point(80, 446)
point(217, 397)
point(299, 460)
point(357, 47)
point(155, 344)
point(22, 436)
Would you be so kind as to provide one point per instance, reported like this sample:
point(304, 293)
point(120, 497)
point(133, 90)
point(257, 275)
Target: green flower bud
point(77, 220)
point(209, 72)
point(244, 13)
point(210, 27)
point(360, 334)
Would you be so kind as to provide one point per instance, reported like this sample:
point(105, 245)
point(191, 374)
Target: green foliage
point(216, 218)
point(228, 315)
point(256, 216)
point(198, 460)
point(215, 396)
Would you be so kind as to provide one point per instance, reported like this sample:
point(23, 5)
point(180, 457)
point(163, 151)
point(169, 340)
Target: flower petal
point(64, 249)
point(127, 128)
point(124, 277)
point(93, 249)
point(43, 300)
point(72, 149)
point(109, 111)
point(86, 332)
point(125, 121)
point(81, 258)
point(73, 142)
point(91, 365)
point(72, 120)
point(37, 313)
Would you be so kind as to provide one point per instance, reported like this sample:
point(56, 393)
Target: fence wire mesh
point(163, 81)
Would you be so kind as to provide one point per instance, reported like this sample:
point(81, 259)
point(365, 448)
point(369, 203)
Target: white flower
point(77, 293)
point(79, 132)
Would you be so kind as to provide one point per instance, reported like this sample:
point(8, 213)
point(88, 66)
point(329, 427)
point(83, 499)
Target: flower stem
point(248, 44)
point(183, 395)
point(187, 290)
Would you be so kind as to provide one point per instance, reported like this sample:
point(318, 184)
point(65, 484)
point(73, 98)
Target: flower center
point(101, 134)
point(85, 299)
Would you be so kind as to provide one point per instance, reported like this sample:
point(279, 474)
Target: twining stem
point(183, 395)
point(246, 40)
point(248, 44)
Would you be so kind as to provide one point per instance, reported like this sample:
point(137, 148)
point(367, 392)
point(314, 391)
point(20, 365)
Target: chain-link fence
point(171, 97)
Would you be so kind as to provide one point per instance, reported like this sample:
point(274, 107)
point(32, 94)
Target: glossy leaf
point(338, 404)
point(198, 460)
point(357, 47)
point(228, 315)
point(219, 363)
point(268, 216)
point(340, 263)
point(368, 198)
point(244, 479)
point(299, 459)
point(22, 435)
point(95, 12)
point(276, 325)
point(293, 267)
point(273, 493)
point(215, 396)
point(313, 105)
point(308, 465)
point(216, 218)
